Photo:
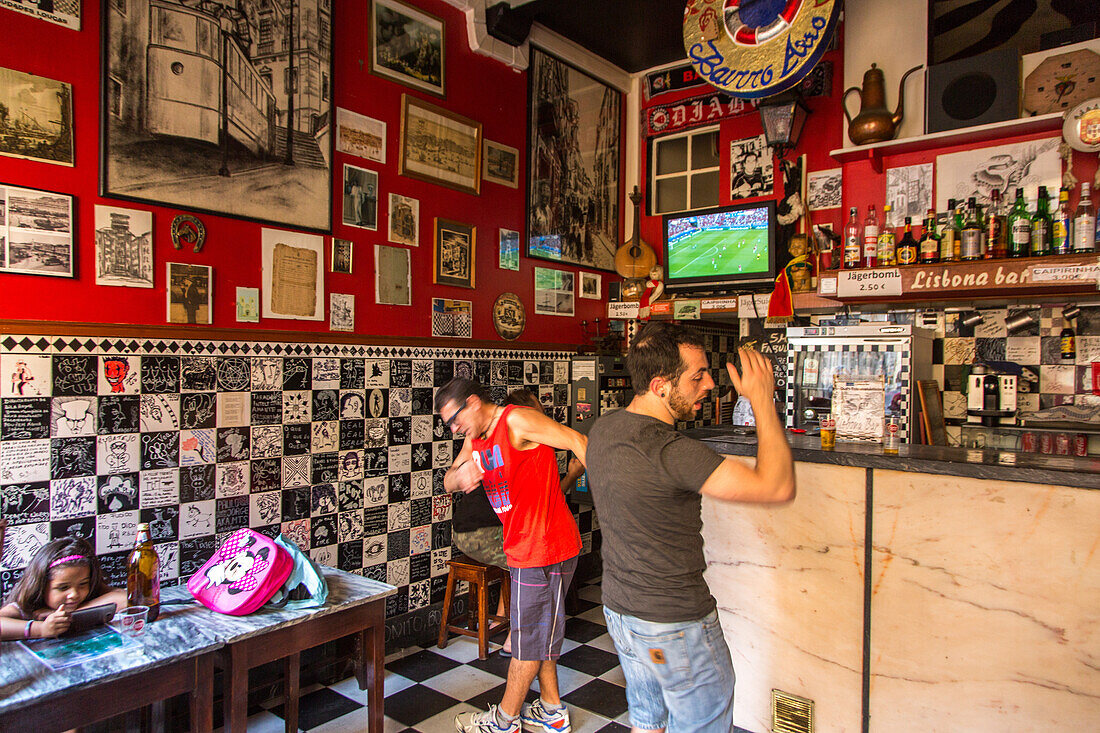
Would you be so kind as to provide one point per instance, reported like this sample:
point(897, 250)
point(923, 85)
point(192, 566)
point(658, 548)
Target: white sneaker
point(537, 718)
point(483, 722)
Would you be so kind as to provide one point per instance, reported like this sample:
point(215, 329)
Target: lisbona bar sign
point(757, 49)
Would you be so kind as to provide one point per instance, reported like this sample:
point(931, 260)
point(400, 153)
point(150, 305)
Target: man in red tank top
point(510, 451)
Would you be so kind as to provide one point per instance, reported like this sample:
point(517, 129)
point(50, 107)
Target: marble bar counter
point(974, 463)
point(913, 592)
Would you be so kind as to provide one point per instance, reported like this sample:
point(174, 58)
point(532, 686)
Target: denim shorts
point(679, 676)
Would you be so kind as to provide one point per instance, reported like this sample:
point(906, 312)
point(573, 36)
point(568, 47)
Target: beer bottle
point(995, 228)
point(1062, 238)
point(1019, 224)
point(948, 234)
point(1041, 226)
point(143, 573)
point(929, 245)
point(887, 245)
point(907, 247)
point(1067, 341)
point(971, 233)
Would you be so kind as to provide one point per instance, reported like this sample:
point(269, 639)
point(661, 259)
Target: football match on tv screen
point(722, 243)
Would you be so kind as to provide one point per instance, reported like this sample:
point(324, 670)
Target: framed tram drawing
point(167, 138)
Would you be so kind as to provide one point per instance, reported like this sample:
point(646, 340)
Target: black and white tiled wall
point(334, 445)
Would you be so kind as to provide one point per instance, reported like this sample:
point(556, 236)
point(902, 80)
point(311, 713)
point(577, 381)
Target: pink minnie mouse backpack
point(242, 575)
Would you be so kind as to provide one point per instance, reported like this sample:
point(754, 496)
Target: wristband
point(27, 629)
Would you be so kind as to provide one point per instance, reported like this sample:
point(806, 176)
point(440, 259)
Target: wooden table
point(176, 658)
point(356, 606)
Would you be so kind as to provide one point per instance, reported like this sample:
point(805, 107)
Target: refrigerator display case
point(900, 353)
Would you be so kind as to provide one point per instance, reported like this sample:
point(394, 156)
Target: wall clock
point(1062, 81)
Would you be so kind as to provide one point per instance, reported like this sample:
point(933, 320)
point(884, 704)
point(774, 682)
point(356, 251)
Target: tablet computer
point(87, 618)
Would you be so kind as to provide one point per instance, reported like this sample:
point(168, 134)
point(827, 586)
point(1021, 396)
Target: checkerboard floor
point(427, 687)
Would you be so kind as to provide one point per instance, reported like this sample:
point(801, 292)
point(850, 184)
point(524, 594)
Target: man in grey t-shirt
point(647, 481)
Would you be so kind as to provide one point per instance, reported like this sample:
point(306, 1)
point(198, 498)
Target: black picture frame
point(44, 223)
point(573, 209)
point(170, 150)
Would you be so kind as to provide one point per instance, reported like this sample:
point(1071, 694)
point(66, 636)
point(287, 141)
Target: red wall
point(477, 87)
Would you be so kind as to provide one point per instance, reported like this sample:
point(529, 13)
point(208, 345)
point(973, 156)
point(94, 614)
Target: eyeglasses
point(449, 422)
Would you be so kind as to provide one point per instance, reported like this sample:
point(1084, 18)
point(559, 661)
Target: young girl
point(62, 577)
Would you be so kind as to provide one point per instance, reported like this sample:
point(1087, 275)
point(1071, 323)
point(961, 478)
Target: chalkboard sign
point(931, 412)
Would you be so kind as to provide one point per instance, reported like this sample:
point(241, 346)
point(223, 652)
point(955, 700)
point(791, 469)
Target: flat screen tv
point(720, 249)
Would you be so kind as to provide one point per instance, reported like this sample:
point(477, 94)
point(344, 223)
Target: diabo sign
point(757, 48)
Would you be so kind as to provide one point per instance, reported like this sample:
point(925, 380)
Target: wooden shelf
point(967, 135)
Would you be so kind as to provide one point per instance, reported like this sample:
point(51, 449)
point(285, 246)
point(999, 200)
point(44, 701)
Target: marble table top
point(174, 636)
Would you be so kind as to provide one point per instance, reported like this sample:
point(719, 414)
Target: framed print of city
point(439, 146)
point(165, 135)
point(453, 255)
point(36, 232)
point(573, 154)
point(38, 119)
point(407, 46)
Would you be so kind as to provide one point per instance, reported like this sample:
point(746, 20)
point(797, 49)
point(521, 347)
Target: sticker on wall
point(248, 305)
point(341, 312)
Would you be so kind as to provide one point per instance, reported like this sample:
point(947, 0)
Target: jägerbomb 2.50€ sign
point(757, 49)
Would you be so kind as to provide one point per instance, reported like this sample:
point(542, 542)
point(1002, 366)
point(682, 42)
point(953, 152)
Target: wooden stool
point(480, 624)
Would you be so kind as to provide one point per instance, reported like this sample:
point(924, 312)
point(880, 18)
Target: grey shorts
point(538, 610)
point(486, 545)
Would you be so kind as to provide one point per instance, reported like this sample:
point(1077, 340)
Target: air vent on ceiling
point(791, 713)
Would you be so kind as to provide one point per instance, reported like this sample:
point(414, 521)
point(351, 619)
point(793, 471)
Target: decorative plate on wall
point(509, 316)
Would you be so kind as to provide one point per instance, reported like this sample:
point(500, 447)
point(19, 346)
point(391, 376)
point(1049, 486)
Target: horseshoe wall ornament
point(186, 229)
point(758, 49)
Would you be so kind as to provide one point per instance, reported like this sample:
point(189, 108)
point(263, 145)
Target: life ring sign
point(757, 48)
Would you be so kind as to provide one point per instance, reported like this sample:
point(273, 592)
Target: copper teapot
point(875, 123)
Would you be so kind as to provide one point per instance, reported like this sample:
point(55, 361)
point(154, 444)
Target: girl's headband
point(66, 559)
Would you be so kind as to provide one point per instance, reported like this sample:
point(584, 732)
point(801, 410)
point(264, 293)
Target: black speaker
point(973, 91)
point(508, 25)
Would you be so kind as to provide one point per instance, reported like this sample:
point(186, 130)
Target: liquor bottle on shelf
point(1042, 225)
point(983, 243)
point(1084, 222)
point(996, 238)
point(929, 244)
point(1067, 341)
point(887, 243)
point(143, 573)
point(907, 247)
point(853, 241)
point(1062, 233)
point(959, 216)
point(971, 248)
point(1019, 225)
point(870, 238)
point(948, 234)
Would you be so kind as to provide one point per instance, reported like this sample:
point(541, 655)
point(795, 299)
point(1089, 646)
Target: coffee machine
point(990, 397)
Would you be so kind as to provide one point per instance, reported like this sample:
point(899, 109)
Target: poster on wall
point(824, 189)
point(909, 193)
point(38, 122)
point(573, 153)
point(36, 232)
point(553, 292)
point(751, 170)
point(61, 12)
point(404, 220)
point(123, 247)
point(360, 135)
point(975, 173)
point(360, 198)
point(293, 275)
point(162, 114)
point(392, 275)
point(190, 293)
point(452, 318)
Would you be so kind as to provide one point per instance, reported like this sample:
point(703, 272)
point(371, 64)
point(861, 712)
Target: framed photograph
point(190, 294)
point(509, 250)
point(162, 115)
point(590, 285)
point(392, 276)
point(248, 305)
point(824, 189)
point(341, 256)
point(500, 164)
point(452, 318)
point(553, 292)
point(439, 146)
point(404, 220)
point(123, 247)
point(453, 254)
point(39, 120)
point(360, 135)
point(407, 46)
point(293, 275)
point(573, 153)
point(752, 172)
point(360, 198)
point(36, 232)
